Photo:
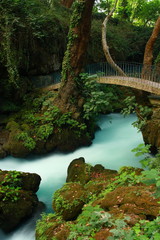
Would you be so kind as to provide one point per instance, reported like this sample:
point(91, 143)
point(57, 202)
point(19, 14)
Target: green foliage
point(142, 149)
point(126, 177)
point(78, 7)
point(12, 179)
point(39, 119)
point(47, 221)
point(146, 230)
point(91, 220)
point(62, 202)
point(26, 28)
point(44, 131)
point(27, 140)
point(10, 186)
point(96, 100)
point(139, 12)
point(142, 112)
point(151, 176)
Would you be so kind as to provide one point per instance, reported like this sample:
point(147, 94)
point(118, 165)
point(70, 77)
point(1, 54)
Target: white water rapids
point(111, 147)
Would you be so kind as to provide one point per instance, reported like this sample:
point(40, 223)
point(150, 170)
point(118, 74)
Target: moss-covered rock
point(17, 197)
point(13, 213)
point(137, 202)
point(69, 200)
point(66, 140)
point(79, 171)
point(3, 153)
point(109, 204)
point(51, 227)
point(151, 130)
point(15, 147)
point(4, 135)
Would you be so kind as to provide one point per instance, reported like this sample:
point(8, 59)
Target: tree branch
point(105, 45)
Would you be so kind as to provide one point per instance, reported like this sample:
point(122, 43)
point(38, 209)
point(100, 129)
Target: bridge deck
point(138, 83)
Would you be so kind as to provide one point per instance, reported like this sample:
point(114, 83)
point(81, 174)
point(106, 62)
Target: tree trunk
point(67, 3)
point(69, 97)
point(105, 45)
point(148, 54)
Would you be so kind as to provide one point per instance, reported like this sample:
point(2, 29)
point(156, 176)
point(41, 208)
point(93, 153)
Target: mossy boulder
point(13, 213)
point(15, 147)
point(151, 130)
point(138, 202)
point(69, 200)
point(30, 182)
point(50, 227)
point(12, 125)
point(79, 171)
point(17, 197)
point(99, 173)
point(4, 135)
point(26, 181)
point(66, 140)
point(3, 153)
point(106, 204)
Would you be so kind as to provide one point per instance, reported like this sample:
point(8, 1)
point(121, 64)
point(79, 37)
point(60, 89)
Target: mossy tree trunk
point(148, 54)
point(141, 96)
point(67, 3)
point(69, 97)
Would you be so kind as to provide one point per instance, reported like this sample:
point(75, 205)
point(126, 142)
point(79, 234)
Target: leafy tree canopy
point(139, 12)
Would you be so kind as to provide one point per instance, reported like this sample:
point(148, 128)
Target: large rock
point(79, 171)
point(137, 202)
point(4, 135)
point(18, 200)
point(69, 200)
point(53, 228)
point(66, 140)
point(151, 130)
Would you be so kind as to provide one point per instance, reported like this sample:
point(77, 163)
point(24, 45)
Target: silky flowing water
point(111, 147)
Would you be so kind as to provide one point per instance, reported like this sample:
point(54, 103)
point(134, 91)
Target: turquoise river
point(111, 147)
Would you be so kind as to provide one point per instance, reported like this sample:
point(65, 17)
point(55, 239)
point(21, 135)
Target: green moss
point(50, 227)
point(78, 7)
point(69, 200)
point(12, 125)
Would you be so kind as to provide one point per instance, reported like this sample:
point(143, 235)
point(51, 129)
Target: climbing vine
point(78, 7)
point(8, 56)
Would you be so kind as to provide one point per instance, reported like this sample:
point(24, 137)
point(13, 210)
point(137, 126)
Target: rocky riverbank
point(151, 130)
point(98, 203)
point(39, 127)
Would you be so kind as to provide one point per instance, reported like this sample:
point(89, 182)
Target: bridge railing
point(135, 70)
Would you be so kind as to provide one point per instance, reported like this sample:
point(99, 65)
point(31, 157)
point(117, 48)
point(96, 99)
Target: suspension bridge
point(136, 77)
